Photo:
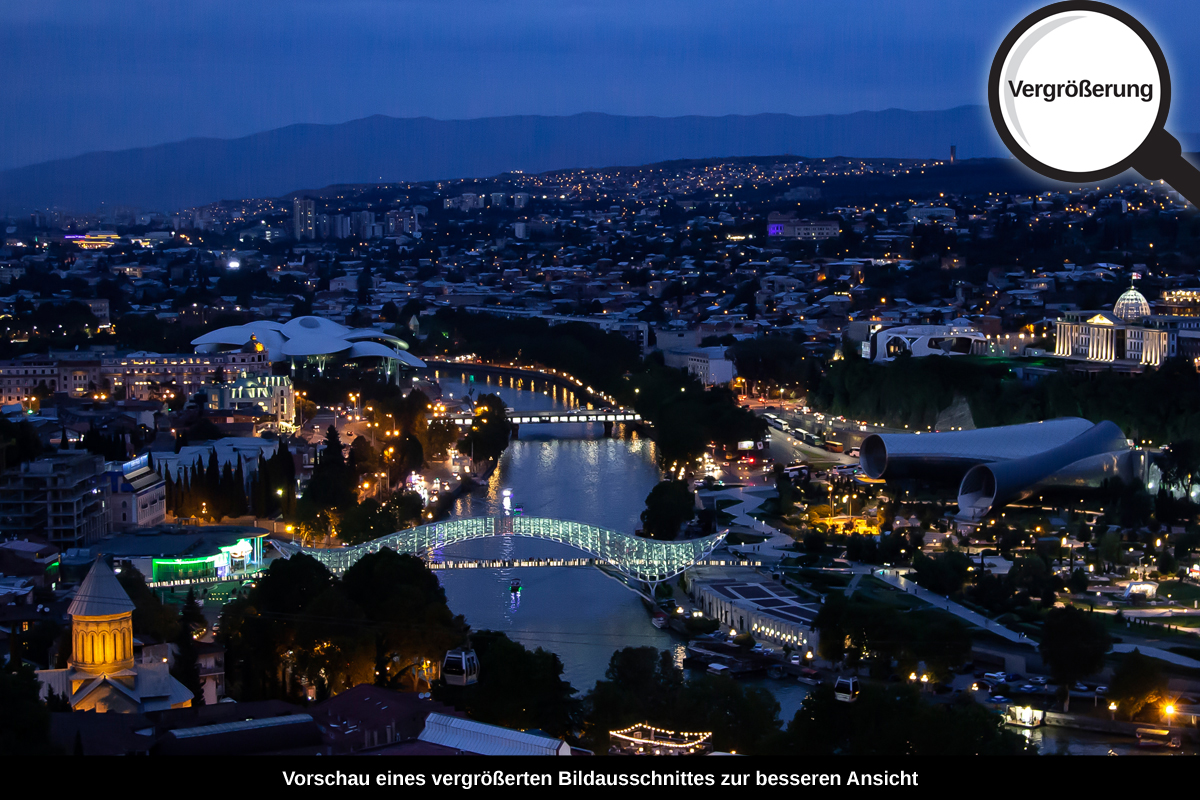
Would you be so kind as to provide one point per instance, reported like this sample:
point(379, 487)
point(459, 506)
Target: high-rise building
point(339, 226)
point(304, 218)
point(498, 199)
point(62, 497)
point(361, 223)
point(520, 199)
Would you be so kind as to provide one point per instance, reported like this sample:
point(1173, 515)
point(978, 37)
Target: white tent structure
point(311, 340)
point(468, 736)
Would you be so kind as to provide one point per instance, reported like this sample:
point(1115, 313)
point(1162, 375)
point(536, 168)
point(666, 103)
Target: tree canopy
point(1074, 644)
point(669, 505)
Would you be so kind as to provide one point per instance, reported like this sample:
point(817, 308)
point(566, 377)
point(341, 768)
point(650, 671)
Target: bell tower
point(101, 626)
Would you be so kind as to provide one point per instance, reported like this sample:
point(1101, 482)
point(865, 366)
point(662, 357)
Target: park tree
point(641, 683)
point(332, 484)
point(151, 616)
point(489, 433)
point(1074, 644)
point(785, 490)
point(406, 607)
point(669, 505)
point(366, 457)
point(895, 721)
point(440, 436)
point(25, 730)
point(334, 642)
point(1137, 682)
point(945, 574)
point(517, 688)
point(1181, 463)
point(258, 630)
point(1110, 550)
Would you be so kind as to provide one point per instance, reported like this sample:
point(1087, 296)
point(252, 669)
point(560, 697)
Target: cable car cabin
point(846, 690)
point(460, 668)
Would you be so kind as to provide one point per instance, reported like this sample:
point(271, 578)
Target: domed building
point(1131, 306)
point(1129, 336)
point(311, 341)
point(102, 674)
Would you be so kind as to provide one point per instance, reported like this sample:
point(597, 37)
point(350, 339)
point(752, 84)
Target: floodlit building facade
point(923, 340)
point(1128, 335)
point(102, 674)
point(272, 394)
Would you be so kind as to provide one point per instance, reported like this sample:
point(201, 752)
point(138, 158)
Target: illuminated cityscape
point(724, 455)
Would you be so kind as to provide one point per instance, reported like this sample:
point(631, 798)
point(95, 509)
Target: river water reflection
point(568, 472)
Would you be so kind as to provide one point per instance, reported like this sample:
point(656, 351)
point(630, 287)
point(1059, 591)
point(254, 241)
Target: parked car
point(1038, 679)
point(1029, 688)
point(1014, 676)
point(1080, 687)
point(1101, 690)
point(995, 676)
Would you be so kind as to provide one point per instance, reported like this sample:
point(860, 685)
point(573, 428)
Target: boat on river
point(1158, 737)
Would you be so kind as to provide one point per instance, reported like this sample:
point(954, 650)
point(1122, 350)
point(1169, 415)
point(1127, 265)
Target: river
point(568, 472)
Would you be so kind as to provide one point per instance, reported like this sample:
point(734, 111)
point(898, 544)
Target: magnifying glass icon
point(1079, 92)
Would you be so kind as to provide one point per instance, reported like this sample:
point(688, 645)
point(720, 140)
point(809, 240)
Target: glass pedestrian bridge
point(649, 560)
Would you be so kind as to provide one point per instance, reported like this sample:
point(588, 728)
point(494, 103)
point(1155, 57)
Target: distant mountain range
point(382, 149)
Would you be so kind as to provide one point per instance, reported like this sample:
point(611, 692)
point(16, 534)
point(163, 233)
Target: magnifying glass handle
point(1161, 159)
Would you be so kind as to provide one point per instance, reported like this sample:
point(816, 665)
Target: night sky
point(82, 75)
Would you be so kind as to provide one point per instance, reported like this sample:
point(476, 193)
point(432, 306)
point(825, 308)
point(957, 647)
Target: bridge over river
point(648, 560)
point(608, 417)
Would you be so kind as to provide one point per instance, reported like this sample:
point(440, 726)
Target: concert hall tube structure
point(1099, 453)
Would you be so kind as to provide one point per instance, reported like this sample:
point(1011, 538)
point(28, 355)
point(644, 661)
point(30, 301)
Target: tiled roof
point(100, 594)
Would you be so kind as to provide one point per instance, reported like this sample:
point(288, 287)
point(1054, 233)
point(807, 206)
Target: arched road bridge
point(649, 560)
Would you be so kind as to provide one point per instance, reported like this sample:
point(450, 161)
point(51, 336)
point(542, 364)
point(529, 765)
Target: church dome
point(1131, 305)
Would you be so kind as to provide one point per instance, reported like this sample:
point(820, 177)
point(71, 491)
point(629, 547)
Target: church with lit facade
point(103, 673)
point(1128, 336)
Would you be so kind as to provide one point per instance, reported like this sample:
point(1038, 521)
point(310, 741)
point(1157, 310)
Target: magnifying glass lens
point(1080, 91)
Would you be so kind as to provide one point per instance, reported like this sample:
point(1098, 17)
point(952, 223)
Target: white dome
point(301, 326)
point(1131, 305)
point(305, 337)
point(314, 345)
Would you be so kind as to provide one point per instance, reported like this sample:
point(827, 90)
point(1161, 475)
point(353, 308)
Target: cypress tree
point(256, 506)
point(262, 494)
point(238, 505)
point(184, 505)
point(287, 469)
point(198, 494)
point(212, 482)
point(225, 493)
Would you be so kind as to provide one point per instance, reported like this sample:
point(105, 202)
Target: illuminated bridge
point(534, 417)
point(648, 560)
